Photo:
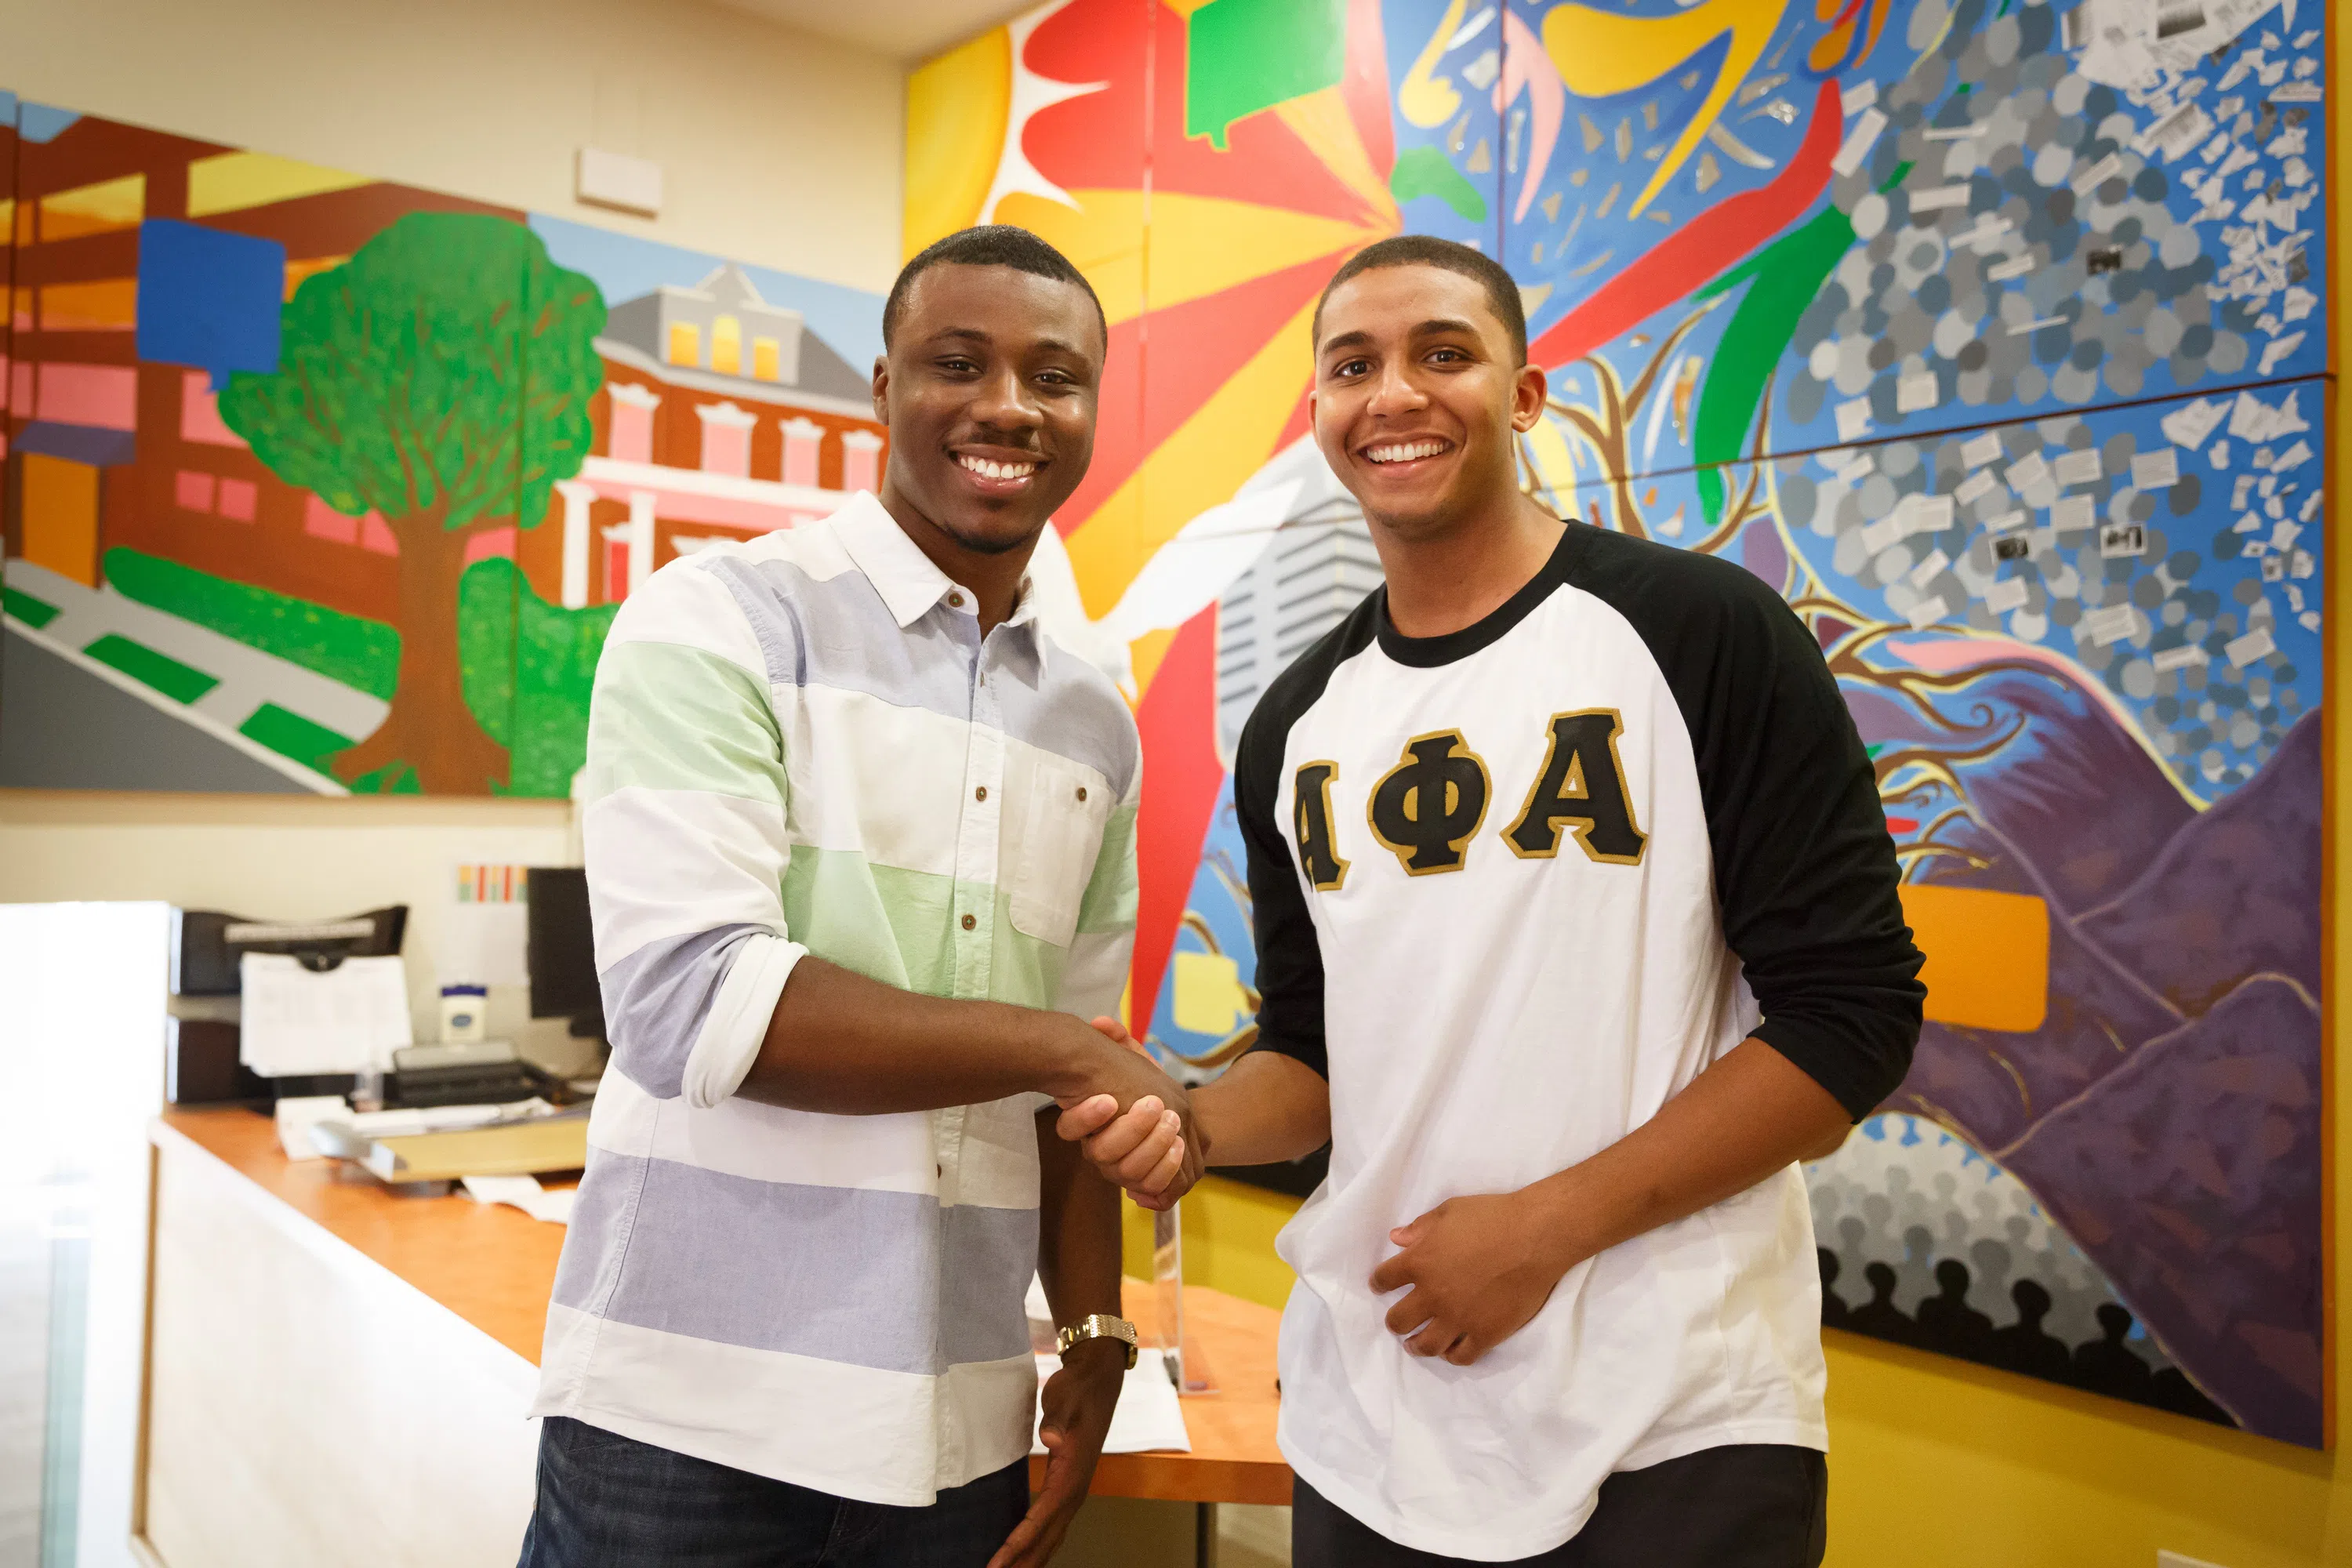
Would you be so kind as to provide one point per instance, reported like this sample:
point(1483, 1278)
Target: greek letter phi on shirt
point(1514, 889)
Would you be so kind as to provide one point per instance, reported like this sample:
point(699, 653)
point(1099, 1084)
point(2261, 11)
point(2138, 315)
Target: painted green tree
point(440, 378)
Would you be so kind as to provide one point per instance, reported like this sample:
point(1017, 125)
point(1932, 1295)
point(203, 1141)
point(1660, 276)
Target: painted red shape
point(1364, 85)
point(1182, 776)
point(1902, 823)
point(103, 395)
point(323, 521)
point(491, 543)
point(1705, 248)
point(200, 417)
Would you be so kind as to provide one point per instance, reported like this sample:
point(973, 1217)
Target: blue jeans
point(610, 1502)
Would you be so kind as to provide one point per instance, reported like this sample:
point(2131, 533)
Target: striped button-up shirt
point(804, 745)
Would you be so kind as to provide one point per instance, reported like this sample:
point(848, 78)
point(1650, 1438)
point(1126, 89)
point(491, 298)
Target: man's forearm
point(845, 1044)
point(1266, 1109)
point(1078, 1230)
point(1750, 1114)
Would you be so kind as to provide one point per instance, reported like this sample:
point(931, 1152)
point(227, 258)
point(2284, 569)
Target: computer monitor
point(561, 951)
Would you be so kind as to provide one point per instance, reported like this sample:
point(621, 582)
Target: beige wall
point(776, 148)
point(284, 857)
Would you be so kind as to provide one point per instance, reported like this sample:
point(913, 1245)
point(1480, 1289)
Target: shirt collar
point(909, 582)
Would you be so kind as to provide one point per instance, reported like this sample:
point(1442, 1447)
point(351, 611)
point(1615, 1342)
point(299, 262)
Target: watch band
point(1099, 1326)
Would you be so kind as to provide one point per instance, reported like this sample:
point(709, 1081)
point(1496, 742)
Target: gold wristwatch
point(1099, 1326)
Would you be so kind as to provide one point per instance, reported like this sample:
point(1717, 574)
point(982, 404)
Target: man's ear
point(882, 388)
point(1528, 394)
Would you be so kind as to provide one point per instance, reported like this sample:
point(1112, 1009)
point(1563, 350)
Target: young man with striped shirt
point(1576, 928)
point(860, 844)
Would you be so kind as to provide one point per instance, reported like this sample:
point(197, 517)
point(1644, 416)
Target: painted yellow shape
point(1599, 54)
point(1229, 1231)
point(1102, 236)
point(1201, 463)
point(1208, 992)
point(727, 345)
point(1147, 653)
point(101, 209)
point(1554, 459)
point(1201, 246)
point(1988, 955)
point(61, 516)
point(1198, 245)
point(300, 272)
point(767, 361)
point(959, 112)
point(1427, 99)
point(685, 344)
point(231, 182)
point(1321, 121)
point(107, 305)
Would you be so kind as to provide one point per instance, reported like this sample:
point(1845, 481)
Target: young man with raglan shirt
point(860, 841)
point(1577, 929)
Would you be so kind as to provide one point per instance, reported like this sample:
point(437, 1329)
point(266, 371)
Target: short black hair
point(1428, 250)
point(987, 245)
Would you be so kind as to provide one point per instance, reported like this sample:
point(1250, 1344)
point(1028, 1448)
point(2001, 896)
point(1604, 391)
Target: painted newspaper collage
point(1994, 334)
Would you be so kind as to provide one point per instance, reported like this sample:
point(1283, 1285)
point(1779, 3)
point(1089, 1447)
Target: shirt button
point(955, 600)
point(979, 793)
point(1082, 791)
point(969, 922)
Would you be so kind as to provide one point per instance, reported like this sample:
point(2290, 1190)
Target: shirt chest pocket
point(1061, 815)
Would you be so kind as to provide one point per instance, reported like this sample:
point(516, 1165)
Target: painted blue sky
point(850, 319)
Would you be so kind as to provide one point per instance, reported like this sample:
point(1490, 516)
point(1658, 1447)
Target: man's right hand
point(1152, 1149)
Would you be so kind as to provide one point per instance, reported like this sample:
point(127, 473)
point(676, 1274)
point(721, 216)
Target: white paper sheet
point(298, 1114)
point(354, 1015)
point(525, 1194)
point(1150, 1418)
point(483, 944)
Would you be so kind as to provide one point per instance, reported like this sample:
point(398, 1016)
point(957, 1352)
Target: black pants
point(610, 1502)
point(1747, 1506)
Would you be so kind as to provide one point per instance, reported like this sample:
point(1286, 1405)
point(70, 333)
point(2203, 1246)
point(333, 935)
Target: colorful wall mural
point(1994, 334)
point(316, 483)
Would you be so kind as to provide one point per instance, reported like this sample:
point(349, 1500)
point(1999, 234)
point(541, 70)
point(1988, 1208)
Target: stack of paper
point(296, 1022)
point(525, 1194)
point(1149, 1419)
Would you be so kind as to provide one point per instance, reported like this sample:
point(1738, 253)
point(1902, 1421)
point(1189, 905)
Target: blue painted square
point(209, 298)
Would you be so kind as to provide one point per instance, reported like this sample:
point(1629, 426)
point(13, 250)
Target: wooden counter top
point(494, 1265)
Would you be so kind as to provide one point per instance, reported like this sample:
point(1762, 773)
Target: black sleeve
point(1289, 958)
point(1804, 867)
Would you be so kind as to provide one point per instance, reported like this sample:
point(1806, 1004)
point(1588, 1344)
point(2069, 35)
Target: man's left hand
point(1474, 1270)
point(1078, 1400)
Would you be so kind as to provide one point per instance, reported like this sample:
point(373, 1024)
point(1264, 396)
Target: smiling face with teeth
point(1418, 393)
point(989, 390)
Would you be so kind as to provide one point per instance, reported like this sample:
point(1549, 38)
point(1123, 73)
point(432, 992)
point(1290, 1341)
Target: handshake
point(1152, 1149)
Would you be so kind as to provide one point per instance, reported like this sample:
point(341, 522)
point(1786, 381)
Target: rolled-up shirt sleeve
point(684, 828)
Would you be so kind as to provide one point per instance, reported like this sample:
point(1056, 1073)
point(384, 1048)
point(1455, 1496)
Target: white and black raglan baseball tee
point(1514, 888)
